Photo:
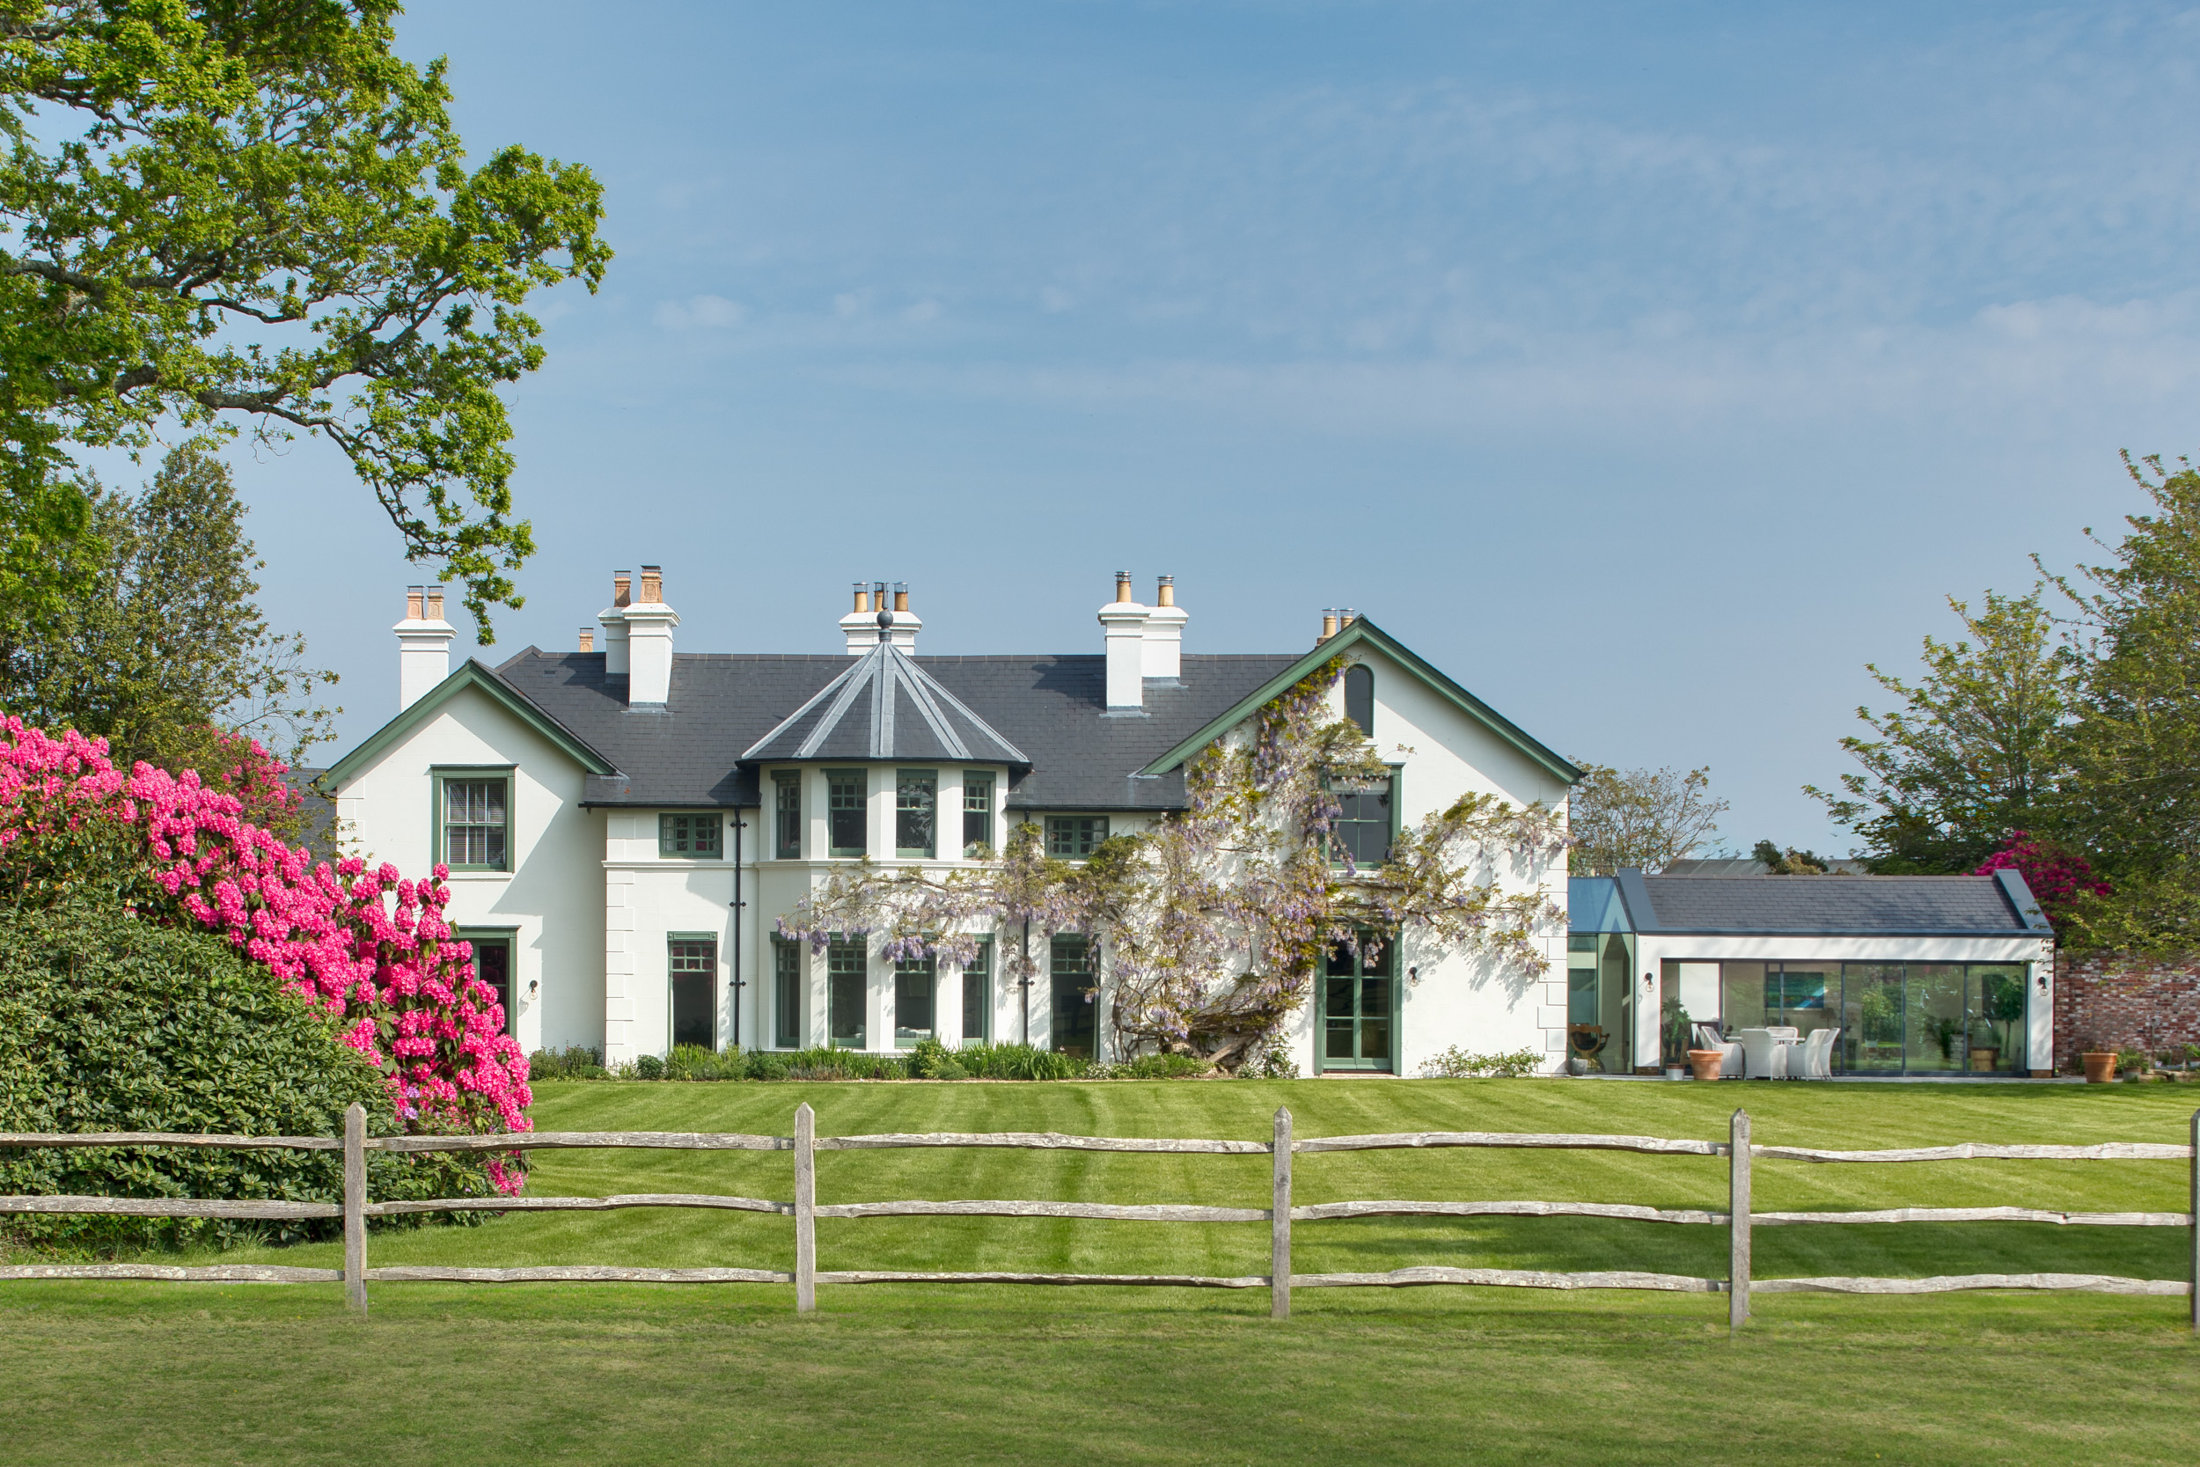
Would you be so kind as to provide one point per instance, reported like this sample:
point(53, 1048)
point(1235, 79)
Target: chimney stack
point(649, 624)
point(1123, 634)
point(588, 639)
point(1329, 625)
point(903, 632)
point(423, 645)
point(613, 618)
point(859, 626)
point(1162, 656)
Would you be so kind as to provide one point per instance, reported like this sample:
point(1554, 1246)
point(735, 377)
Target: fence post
point(1279, 1227)
point(1737, 1222)
point(355, 1207)
point(805, 1209)
point(2193, 1202)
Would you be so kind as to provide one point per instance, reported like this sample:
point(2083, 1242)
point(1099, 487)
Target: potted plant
point(1706, 1063)
point(2100, 1063)
point(2135, 1064)
point(1676, 1040)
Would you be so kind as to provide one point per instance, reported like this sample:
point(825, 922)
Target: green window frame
point(691, 988)
point(787, 815)
point(496, 960)
point(916, 1000)
point(847, 807)
point(691, 837)
point(977, 1005)
point(1074, 1012)
point(1367, 826)
point(472, 818)
point(977, 814)
point(786, 994)
point(1075, 837)
point(1357, 1026)
point(1359, 697)
point(847, 994)
point(916, 813)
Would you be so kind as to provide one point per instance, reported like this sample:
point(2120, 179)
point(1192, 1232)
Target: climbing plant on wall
point(1215, 923)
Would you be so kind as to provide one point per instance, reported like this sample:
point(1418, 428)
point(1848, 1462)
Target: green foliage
point(1273, 1062)
point(649, 1067)
point(1789, 861)
point(696, 1062)
point(259, 211)
point(108, 1023)
point(173, 647)
point(574, 1062)
point(1459, 1064)
point(1972, 750)
point(1674, 1029)
point(1638, 817)
point(1157, 1067)
point(932, 1060)
point(1020, 1062)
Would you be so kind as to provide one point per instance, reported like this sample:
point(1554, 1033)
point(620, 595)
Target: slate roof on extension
point(1998, 905)
point(1049, 708)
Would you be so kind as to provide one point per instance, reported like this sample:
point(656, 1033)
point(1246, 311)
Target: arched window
point(1359, 696)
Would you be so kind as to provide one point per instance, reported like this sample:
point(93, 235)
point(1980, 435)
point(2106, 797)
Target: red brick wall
point(2122, 1002)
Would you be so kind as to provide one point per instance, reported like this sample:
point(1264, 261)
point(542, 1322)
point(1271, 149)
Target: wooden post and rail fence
point(1740, 1220)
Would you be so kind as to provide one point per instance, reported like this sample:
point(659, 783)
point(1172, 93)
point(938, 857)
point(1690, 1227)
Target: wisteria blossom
point(1216, 922)
point(368, 948)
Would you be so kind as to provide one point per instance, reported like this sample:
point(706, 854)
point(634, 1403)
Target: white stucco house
point(625, 824)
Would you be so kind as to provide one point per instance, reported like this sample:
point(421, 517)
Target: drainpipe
point(1025, 983)
point(739, 825)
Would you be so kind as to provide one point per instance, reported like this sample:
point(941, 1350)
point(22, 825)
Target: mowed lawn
point(116, 1372)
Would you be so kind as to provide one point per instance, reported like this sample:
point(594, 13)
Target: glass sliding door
point(1358, 1013)
point(1872, 1018)
point(1937, 1037)
point(1997, 1008)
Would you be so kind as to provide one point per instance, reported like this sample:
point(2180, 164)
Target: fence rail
point(1739, 1219)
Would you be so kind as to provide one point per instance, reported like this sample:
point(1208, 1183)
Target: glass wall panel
point(1616, 1004)
point(1796, 995)
point(1581, 988)
point(1742, 996)
point(1997, 1000)
point(1937, 1040)
point(1871, 1018)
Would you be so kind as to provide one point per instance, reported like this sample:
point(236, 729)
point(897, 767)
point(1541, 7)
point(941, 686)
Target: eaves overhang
point(1362, 630)
point(470, 674)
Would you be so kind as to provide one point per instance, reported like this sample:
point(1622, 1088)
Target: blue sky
point(1650, 369)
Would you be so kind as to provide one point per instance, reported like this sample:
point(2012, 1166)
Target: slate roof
point(1050, 709)
point(1997, 905)
point(884, 706)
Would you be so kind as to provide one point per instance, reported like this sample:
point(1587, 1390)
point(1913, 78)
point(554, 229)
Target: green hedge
point(108, 1023)
point(928, 1059)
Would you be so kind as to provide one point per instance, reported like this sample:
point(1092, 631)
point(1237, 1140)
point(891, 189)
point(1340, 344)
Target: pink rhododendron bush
point(368, 950)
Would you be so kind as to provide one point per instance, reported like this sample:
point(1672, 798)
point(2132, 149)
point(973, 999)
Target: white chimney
point(1163, 653)
point(613, 618)
point(423, 645)
point(859, 626)
point(649, 624)
point(1123, 628)
point(903, 632)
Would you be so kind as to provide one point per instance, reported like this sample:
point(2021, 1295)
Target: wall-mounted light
point(1649, 980)
point(533, 987)
point(2041, 979)
point(1413, 976)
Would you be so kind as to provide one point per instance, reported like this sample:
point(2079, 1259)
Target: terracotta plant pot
point(2100, 1066)
point(1706, 1062)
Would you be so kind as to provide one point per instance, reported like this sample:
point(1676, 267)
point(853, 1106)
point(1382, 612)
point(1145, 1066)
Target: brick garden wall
point(2122, 1002)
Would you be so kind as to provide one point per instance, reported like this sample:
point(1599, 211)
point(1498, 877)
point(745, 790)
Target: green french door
point(1359, 1018)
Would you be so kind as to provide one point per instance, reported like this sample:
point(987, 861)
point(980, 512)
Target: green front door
point(1359, 1008)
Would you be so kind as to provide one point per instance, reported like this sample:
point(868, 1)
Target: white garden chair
point(1815, 1061)
point(1730, 1053)
point(1765, 1057)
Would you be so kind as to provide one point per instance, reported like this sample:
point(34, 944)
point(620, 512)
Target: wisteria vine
point(1216, 922)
